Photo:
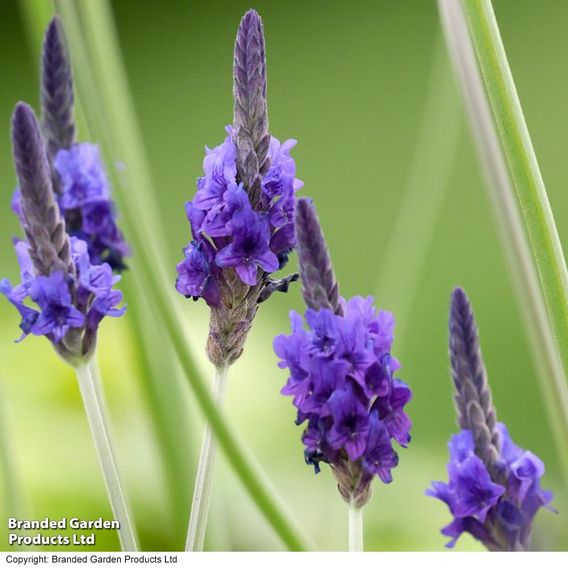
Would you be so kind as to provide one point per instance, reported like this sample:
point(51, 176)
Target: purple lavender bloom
point(58, 314)
point(243, 238)
point(62, 295)
point(248, 250)
point(196, 274)
point(345, 420)
point(341, 371)
point(379, 458)
point(220, 172)
point(242, 211)
point(350, 422)
point(494, 489)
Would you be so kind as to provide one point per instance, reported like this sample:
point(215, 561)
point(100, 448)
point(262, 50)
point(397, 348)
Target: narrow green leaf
point(529, 192)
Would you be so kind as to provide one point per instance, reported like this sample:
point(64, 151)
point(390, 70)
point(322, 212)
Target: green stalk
point(110, 115)
point(205, 472)
point(355, 528)
point(544, 242)
point(91, 394)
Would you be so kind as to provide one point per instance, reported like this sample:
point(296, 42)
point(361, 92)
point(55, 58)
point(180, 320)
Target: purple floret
point(249, 249)
point(196, 274)
point(58, 314)
point(341, 378)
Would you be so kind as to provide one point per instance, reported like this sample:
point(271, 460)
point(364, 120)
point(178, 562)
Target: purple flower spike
point(241, 217)
point(66, 287)
point(341, 374)
point(78, 176)
point(494, 489)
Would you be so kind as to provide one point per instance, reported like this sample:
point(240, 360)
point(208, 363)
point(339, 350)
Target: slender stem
point(103, 50)
point(355, 528)
point(523, 166)
point(509, 163)
point(91, 393)
point(205, 472)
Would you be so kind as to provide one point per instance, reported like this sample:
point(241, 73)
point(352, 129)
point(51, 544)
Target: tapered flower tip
point(25, 132)
point(459, 297)
point(319, 286)
point(54, 37)
point(462, 322)
point(250, 21)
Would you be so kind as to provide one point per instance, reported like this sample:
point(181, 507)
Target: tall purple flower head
point(341, 373)
point(494, 489)
point(62, 294)
point(242, 215)
point(78, 176)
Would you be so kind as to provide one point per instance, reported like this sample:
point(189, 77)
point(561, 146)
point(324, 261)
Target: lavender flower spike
point(242, 215)
point(57, 96)
point(242, 232)
point(78, 176)
point(341, 374)
point(494, 488)
point(71, 295)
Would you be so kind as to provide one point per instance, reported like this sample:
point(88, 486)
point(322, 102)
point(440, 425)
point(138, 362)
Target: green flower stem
point(523, 166)
point(355, 528)
point(205, 472)
point(103, 95)
point(512, 169)
point(90, 391)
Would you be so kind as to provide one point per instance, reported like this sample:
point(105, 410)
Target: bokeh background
point(366, 89)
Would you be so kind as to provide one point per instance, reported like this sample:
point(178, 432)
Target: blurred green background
point(366, 89)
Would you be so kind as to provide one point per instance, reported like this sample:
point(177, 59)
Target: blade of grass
point(510, 165)
point(428, 182)
point(156, 372)
point(118, 130)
